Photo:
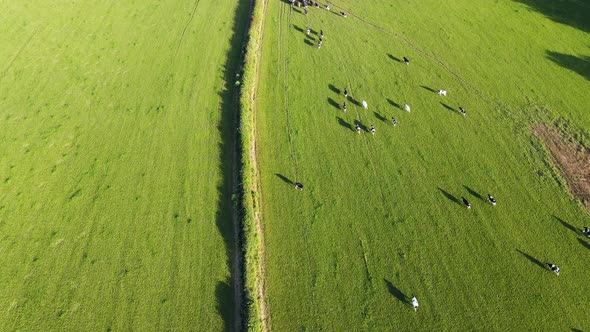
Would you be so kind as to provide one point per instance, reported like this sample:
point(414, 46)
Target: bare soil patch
point(571, 158)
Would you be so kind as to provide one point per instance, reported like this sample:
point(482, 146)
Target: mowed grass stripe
point(463, 264)
point(111, 166)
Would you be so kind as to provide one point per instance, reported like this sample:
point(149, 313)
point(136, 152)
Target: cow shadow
point(584, 243)
point(298, 28)
point(449, 196)
point(394, 58)
point(282, 177)
point(396, 292)
point(379, 116)
point(361, 125)
point(474, 193)
point(567, 225)
point(354, 101)
point(428, 88)
point(333, 103)
point(308, 42)
point(532, 259)
point(334, 89)
point(344, 124)
point(394, 104)
point(448, 107)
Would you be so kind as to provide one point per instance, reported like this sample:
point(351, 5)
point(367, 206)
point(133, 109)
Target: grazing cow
point(343, 14)
point(554, 268)
point(492, 200)
point(407, 107)
point(320, 43)
point(308, 30)
point(414, 302)
point(358, 128)
point(394, 121)
point(442, 93)
point(466, 203)
point(344, 107)
point(298, 186)
point(586, 231)
point(321, 33)
point(328, 7)
point(317, 5)
point(373, 130)
point(345, 93)
point(406, 61)
point(365, 105)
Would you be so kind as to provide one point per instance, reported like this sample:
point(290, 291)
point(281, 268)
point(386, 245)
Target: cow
point(358, 128)
point(415, 302)
point(344, 107)
point(407, 108)
point(466, 203)
point(462, 111)
point(365, 105)
point(343, 14)
point(298, 186)
point(394, 121)
point(492, 200)
point(308, 30)
point(406, 61)
point(373, 130)
point(345, 93)
point(554, 268)
point(442, 93)
point(586, 231)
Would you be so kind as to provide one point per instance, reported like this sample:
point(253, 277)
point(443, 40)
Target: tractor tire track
point(195, 5)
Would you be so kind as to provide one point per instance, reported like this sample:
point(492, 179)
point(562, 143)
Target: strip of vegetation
point(253, 242)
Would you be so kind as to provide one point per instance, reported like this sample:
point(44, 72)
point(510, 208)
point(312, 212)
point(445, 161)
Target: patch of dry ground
point(571, 158)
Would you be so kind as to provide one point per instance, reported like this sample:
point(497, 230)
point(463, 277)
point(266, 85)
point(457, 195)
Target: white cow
point(407, 107)
point(365, 105)
point(442, 93)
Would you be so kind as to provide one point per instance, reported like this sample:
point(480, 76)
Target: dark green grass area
point(381, 218)
point(116, 120)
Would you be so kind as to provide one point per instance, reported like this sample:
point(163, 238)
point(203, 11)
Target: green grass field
point(115, 122)
point(379, 218)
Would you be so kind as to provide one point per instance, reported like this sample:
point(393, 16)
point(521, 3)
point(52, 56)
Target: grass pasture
point(380, 217)
point(115, 127)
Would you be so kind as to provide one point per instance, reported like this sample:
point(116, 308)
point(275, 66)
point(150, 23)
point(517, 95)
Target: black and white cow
point(466, 203)
point(554, 268)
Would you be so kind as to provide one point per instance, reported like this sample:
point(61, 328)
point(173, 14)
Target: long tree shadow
point(584, 243)
point(474, 193)
point(448, 107)
point(223, 293)
point(574, 13)
point(344, 123)
point(334, 89)
point(229, 294)
point(333, 103)
point(393, 58)
point(579, 65)
point(394, 104)
point(532, 259)
point(396, 292)
point(449, 196)
point(566, 225)
point(280, 176)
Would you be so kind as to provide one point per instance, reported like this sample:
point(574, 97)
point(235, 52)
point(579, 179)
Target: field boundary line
point(253, 229)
